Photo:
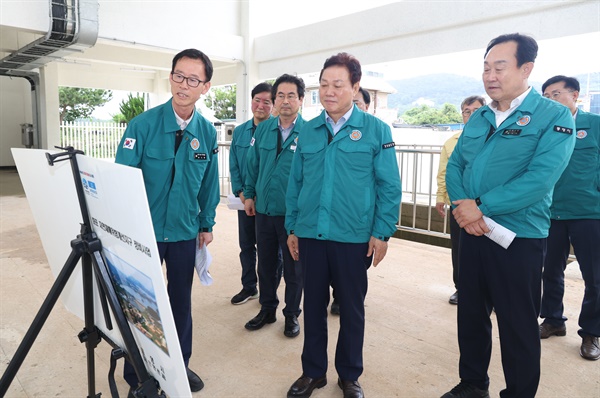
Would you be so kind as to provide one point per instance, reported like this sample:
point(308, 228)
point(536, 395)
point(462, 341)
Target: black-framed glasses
point(191, 81)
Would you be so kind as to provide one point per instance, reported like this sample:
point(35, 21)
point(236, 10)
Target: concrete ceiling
point(397, 31)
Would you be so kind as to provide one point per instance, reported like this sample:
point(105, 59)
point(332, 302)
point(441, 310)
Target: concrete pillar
point(48, 110)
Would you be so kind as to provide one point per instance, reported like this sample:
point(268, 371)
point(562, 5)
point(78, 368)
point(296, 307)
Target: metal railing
point(418, 165)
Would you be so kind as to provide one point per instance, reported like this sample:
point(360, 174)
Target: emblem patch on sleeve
point(129, 143)
point(215, 151)
point(564, 130)
point(389, 145)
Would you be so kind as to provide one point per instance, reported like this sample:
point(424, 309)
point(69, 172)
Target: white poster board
point(119, 213)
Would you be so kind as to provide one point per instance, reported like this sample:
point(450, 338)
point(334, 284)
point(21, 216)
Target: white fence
point(95, 139)
point(418, 163)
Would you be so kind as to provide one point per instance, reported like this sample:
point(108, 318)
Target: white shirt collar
point(337, 126)
point(182, 123)
point(503, 115)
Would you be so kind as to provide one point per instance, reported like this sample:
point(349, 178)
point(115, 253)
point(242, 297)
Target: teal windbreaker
point(349, 189)
point(267, 170)
point(514, 171)
point(577, 192)
point(182, 202)
point(240, 143)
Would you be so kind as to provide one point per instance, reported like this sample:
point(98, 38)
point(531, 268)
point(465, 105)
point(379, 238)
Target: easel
point(88, 248)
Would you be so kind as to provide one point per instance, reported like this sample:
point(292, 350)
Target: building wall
point(15, 109)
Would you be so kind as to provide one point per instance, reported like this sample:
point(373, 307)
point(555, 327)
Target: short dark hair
point(527, 47)
point(469, 100)
point(570, 82)
point(261, 88)
point(349, 62)
point(366, 96)
point(195, 54)
point(285, 78)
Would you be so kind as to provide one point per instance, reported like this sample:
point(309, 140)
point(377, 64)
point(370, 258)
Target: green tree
point(425, 114)
point(222, 101)
point(79, 103)
point(130, 108)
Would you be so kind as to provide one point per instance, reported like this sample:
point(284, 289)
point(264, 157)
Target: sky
point(570, 55)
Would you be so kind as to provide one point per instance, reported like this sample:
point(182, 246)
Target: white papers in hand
point(234, 203)
point(203, 260)
point(499, 234)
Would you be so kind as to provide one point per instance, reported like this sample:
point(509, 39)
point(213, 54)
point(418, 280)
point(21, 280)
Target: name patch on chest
point(564, 130)
point(512, 132)
point(389, 145)
point(200, 156)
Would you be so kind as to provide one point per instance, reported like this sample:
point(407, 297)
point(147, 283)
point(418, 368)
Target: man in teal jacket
point(343, 203)
point(504, 167)
point(575, 220)
point(176, 149)
point(269, 160)
point(262, 105)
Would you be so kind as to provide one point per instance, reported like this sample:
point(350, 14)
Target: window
point(314, 97)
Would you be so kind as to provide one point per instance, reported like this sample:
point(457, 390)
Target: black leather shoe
point(196, 383)
point(335, 307)
point(466, 390)
point(590, 349)
point(292, 327)
point(547, 330)
point(454, 298)
point(261, 320)
point(351, 389)
point(304, 386)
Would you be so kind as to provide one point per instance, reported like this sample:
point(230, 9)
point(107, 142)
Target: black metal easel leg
point(88, 248)
point(78, 248)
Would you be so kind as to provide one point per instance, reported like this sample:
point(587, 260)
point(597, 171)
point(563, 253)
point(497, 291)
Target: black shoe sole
point(244, 301)
point(259, 326)
point(288, 334)
point(320, 384)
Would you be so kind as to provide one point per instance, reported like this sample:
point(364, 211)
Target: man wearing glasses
point(467, 107)
point(267, 172)
point(575, 220)
point(176, 149)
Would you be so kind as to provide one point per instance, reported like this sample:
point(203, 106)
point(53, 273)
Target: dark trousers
point(508, 280)
point(179, 258)
point(344, 265)
point(247, 239)
point(271, 239)
point(455, 243)
point(584, 235)
point(368, 261)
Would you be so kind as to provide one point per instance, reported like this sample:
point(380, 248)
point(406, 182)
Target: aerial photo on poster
point(138, 300)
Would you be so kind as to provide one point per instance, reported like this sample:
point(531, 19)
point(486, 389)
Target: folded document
point(499, 234)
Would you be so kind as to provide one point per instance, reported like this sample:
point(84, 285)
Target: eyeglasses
point(191, 81)
point(468, 112)
point(290, 97)
point(555, 94)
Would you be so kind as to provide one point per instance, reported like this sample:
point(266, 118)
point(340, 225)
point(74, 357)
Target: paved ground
point(410, 345)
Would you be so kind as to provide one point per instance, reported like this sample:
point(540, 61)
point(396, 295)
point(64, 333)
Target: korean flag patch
point(129, 143)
